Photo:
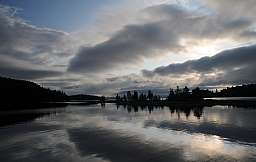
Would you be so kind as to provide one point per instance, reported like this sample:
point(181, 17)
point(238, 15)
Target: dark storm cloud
point(231, 65)
point(167, 26)
point(131, 44)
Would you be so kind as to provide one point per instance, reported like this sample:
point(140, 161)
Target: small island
point(196, 96)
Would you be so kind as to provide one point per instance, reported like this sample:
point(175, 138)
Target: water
point(103, 134)
point(234, 98)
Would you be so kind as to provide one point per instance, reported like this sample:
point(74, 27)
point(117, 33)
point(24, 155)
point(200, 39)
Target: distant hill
point(84, 97)
point(21, 92)
point(248, 90)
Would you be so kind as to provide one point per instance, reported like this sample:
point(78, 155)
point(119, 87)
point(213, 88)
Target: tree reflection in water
point(175, 109)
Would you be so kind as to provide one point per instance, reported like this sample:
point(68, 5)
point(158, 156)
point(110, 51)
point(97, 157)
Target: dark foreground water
point(126, 134)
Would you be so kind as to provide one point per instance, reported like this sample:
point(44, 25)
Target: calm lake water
point(125, 134)
point(234, 98)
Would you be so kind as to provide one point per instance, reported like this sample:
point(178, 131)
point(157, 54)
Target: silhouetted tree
point(141, 97)
point(186, 91)
point(196, 92)
point(135, 96)
point(117, 97)
point(124, 98)
point(178, 91)
point(150, 95)
point(129, 96)
point(102, 99)
point(171, 94)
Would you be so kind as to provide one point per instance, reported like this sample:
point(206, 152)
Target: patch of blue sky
point(64, 15)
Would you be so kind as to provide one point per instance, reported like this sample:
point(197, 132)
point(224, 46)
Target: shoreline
point(161, 103)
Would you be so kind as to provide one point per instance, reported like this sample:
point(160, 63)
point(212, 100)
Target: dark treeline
point(22, 94)
point(135, 96)
point(248, 90)
point(22, 90)
point(186, 94)
point(174, 95)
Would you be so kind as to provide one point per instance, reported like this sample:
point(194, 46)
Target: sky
point(107, 46)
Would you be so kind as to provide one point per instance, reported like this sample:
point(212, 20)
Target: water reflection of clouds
point(194, 146)
point(105, 134)
point(43, 145)
point(224, 115)
point(198, 145)
point(214, 122)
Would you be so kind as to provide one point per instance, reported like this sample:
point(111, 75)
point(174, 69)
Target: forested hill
point(20, 91)
point(248, 90)
point(84, 97)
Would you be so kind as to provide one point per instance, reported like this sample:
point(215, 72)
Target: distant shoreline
point(186, 103)
point(21, 94)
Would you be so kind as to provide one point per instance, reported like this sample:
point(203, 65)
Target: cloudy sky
point(107, 46)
